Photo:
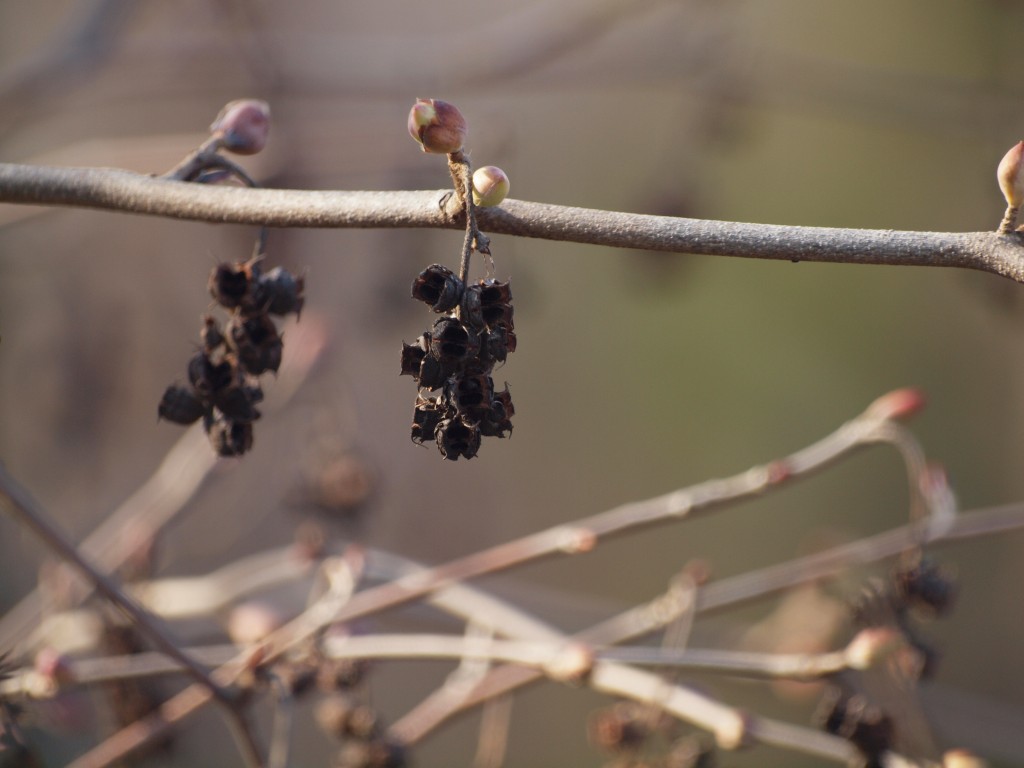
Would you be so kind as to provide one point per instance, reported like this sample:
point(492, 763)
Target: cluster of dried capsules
point(916, 588)
point(635, 735)
point(456, 358)
point(223, 376)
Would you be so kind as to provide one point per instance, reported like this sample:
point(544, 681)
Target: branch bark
point(116, 190)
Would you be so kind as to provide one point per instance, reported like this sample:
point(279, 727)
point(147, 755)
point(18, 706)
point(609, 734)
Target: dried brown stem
point(116, 190)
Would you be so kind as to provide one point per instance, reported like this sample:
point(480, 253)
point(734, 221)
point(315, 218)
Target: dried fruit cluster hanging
point(873, 717)
point(223, 376)
point(456, 357)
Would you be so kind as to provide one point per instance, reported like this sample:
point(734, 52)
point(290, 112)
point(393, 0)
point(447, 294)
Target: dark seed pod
point(455, 438)
point(471, 395)
point(236, 403)
point(253, 391)
point(497, 345)
point(494, 292)
point(439, 287)
point(472, 313)
point(231, 285)
point(256, 342)
point(496, 304)
point(498, 315)
point(433, 373)
point(412, 357)
point(425, 417)
point(180, 405)
point(926, 586)
point(498, 420)
point(452, 342)
point(210, 334)
point(230, 438)
point(280, 292)
point(208, 377)
point(858, 721)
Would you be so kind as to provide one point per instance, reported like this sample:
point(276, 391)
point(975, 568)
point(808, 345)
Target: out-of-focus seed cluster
point(916, 588)
point(223, 386)
point(344, 715)
point(456, 358)
point(635, 735)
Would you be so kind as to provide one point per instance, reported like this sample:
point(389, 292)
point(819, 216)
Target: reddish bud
point(437, 125)
point(242, 126)
point(490, 186)
point(898, 404)
point(1011, 180)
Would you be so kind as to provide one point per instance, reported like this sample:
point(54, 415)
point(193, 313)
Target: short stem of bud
point(462, 177)
point(1009, 222)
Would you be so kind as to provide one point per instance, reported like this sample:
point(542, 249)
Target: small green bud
point(490, 186)
point(437, 125)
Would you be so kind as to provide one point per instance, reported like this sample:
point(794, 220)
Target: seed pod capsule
point(229, 438)
point(455, 438)
point(439, 287)
point(279, 292)
point(180, 405)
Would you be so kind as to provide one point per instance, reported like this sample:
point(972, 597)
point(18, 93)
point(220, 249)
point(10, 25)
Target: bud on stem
point(1011, 183)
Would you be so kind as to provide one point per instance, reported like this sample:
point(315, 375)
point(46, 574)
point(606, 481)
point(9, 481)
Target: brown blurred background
point(636, 373)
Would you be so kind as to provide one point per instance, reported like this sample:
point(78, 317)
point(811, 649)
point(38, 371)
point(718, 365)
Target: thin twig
point(725, 593)
point(115, 190)
point(494, 727)
point(284, 716)
point(871, 426)
point(24, 509)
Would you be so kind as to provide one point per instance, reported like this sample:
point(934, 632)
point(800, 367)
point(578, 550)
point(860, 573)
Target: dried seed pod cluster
point(635, 734)
point(853, 717)
point(456, 358)
point(916, 588)
point(359, 727)
point(223, 376)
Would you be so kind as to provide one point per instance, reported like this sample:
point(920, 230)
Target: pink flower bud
point(437, 125)
point(242, 126)
point(898, 404)
point(1011, 180)
point(490, 186)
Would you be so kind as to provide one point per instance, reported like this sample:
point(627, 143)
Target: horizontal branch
point(115, 190)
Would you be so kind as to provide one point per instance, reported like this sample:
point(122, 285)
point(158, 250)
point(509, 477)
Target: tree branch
point(115, 190)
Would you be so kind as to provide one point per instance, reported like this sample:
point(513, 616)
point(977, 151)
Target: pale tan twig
point(725, 593)
point(495, 720)
point(24, 509)
point(874, 425)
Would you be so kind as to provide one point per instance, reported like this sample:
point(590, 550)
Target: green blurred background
point(636, 373)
